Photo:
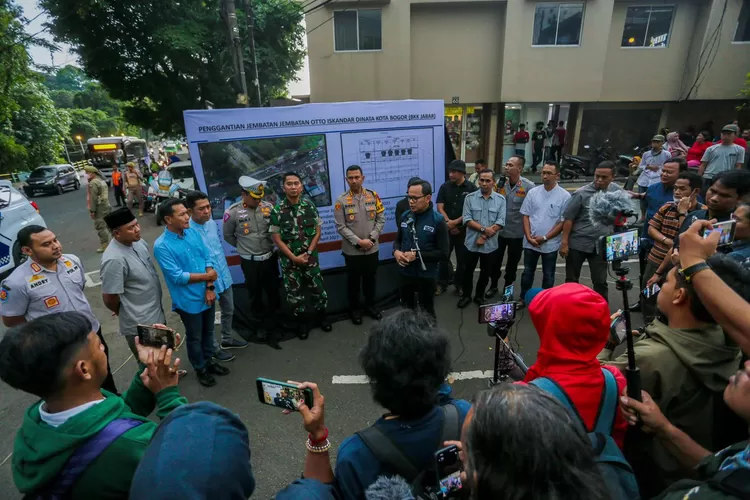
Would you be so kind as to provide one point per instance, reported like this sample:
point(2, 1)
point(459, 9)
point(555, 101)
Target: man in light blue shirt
point(189, 272)
point(200, 220)
point(484, 217)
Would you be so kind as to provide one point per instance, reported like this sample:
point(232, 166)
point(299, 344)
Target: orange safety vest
point(116, 178)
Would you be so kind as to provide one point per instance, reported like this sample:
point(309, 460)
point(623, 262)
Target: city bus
point(104, 152)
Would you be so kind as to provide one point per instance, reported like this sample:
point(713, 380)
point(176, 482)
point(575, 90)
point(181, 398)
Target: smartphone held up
point(156, 336)
point(282, 394)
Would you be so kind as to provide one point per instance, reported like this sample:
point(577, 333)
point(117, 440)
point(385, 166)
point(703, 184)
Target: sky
point(64, 56)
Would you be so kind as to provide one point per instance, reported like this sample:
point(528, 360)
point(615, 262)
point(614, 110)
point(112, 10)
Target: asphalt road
point(277, 441)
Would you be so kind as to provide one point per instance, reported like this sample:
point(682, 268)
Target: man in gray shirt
point(580, 237)
point(514, 188)
point(484, 218)
point(130, 285)
point(721, 157)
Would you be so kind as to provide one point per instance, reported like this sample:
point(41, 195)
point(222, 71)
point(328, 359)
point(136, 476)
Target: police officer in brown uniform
point(359, 217)
point(246, 225)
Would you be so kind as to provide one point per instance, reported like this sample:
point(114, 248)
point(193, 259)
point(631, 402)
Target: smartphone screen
point(283, 395)
point(505, 311)
point(620, 246)
point(618, 329)
point(448, 467)
point(726, 231)
point(155, 337)
point(508, 293)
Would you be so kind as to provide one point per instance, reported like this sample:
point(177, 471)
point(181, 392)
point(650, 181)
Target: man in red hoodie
point(573, 321)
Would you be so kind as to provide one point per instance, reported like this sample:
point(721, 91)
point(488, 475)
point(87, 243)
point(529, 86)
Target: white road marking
point(362, 379)
point(93, 279)
point(6, 459)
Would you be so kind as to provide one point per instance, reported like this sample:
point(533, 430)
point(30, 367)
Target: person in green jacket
point(61, 360)
point(685, 364)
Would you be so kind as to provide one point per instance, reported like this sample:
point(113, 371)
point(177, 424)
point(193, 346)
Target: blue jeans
point(530, 260)
point(199, 333)
point(226, 304)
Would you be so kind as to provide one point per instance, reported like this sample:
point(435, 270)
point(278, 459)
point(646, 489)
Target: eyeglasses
point(415, 198)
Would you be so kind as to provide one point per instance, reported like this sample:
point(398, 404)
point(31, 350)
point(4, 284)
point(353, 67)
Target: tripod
point(506, 361)
point(632, 373)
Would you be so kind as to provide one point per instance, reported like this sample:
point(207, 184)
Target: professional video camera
point(500, 317)
point(612, 209)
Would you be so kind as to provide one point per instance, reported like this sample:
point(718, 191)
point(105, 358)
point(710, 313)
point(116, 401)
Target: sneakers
point(478, 300)
point(215, 369)
point(223, 356)
point(233, 344)
point(491, 292)
point(205, 378)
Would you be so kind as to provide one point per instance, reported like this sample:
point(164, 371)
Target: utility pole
point(66, 151)
point(234, 35)
point(251, 35)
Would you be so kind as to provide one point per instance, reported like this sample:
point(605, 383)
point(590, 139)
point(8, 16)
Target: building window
point(357, 30)
point(742, 34)
point(558, 24)
point(647, 26)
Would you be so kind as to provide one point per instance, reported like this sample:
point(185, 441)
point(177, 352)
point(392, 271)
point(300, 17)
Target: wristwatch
point(482, 229)
point(544, 238)
point(682, 214)
point(309, 252)
point(691, 271)
point(211, 287)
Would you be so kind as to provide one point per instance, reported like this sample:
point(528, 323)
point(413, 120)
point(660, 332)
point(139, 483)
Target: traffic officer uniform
point(99, 205)
point(360, 217)
point(247, 229)
point(33, 291)
point(297, 226)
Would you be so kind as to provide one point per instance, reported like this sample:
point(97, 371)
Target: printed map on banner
point(390, 158)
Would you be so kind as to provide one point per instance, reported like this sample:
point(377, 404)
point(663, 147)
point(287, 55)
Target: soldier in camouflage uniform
point(295, 229)
point(98, 201)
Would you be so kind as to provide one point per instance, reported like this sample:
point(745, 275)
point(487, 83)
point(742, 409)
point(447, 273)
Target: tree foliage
point(164, 57)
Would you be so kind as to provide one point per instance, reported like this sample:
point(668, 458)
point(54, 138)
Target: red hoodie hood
point(573, 325)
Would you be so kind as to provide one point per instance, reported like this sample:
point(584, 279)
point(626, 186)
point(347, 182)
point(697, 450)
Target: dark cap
point(457, 166)
point(119, 217)
point(731, 128)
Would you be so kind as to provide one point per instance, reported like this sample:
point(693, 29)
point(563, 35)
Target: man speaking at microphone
point(422, 231)
point(580, 236)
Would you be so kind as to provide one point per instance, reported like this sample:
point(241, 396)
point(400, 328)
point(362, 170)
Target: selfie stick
point(413, 230)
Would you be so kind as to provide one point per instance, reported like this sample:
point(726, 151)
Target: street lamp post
point(78, 137)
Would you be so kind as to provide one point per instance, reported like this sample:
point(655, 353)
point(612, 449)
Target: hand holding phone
point(283, 394)
point(448, 466)
point(156, 336)
point(617, 329)
point(726, 232)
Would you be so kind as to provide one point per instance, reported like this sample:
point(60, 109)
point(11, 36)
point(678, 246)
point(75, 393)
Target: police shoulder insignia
point(4, 294)
point(36, 267)
point(338, 206)
point(226, 216)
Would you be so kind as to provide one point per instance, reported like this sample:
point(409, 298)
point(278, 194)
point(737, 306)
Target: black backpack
point(391, 456)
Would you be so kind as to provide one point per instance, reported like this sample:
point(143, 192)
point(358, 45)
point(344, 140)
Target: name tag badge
point(429, 229)
point(404, 224)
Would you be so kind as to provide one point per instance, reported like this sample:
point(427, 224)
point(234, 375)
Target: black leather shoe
point(463, 302)
point(204, 378)
point(491, 292)
point(635, 307)
point(373, 313)
point(216, 369)
point(478, 300)
point(356, 317)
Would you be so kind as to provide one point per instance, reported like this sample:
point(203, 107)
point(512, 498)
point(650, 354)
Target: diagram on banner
point(390, 158)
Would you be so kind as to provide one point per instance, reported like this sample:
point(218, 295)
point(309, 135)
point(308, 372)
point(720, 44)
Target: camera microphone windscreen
point(389, 488)
point(606, 207)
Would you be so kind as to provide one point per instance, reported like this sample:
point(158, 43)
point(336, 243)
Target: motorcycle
point(161, 189)
point(625, 161)
point(575, 166)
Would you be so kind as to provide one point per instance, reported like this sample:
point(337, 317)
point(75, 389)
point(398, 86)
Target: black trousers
point(515, 251)
point(109, 382)
point(537, 156)
point(556, 153)
point(597, 267)
point(262, 276)
point(360, 271)
point(457, 243)
point(486, 263)
point(425, 290)
point(119, 196)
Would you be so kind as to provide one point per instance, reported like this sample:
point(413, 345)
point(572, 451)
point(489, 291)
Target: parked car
point(52, 179)
point(183, 174)
point(16, 212)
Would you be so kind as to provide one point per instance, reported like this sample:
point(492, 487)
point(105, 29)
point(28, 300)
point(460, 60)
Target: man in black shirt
point(537, 145)
point(450, 204)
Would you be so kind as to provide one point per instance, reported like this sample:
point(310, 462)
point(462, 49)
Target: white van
point(16, 212)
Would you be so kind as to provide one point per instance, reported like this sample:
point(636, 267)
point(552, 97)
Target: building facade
point(611, 70)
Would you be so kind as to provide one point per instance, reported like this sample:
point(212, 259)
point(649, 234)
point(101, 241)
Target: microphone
point(389, 488)
point(610, 208)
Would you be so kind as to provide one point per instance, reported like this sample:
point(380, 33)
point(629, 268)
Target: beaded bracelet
point(318, 449)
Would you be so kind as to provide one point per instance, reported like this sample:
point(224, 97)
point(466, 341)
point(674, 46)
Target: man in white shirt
point(721, 157)
point(650, 167)
point(542, 227)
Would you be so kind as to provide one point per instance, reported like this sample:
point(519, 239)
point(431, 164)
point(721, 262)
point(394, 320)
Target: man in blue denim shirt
point(484, 217)
point(200, 220)
point(189, 272)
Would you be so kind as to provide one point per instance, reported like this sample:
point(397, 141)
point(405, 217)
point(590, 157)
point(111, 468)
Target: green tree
point(63, 99)
point(164, 57)
point(68, 78)
point(94, 96)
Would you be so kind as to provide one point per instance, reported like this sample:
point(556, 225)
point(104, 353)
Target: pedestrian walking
point(360, 217)
point(117, 185)
point(134, 183)
point(98, 201)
